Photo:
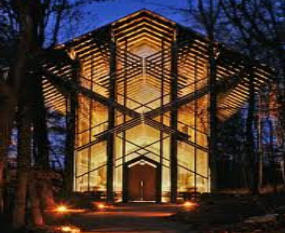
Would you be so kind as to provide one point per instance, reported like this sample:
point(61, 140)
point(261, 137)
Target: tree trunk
point(260, 169)
point(23, 165)
point(250, 147)
point(47, 195)
point(41, 142)
point(1, 186)
point(12, 87)
point(259, 127)
point(5, 132)
point(7, 108)
point(40, 135)
point(273, 162)
point(282, 171)
point(37, 218)
point(244, 172)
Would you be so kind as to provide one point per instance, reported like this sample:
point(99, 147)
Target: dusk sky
point(99, 14)
point(111, 10)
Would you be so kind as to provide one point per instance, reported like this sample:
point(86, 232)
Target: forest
point(246, 152)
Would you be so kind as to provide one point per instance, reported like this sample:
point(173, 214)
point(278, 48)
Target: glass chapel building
point(141, 117)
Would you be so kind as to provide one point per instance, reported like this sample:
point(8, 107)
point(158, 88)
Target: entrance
point(142, 182)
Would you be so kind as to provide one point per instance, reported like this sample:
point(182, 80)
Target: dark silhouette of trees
point(255, 28)
point(259, 33)
point(207, 15)
point(28, 30)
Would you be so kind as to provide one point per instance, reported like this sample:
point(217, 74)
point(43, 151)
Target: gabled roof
point(144, 26)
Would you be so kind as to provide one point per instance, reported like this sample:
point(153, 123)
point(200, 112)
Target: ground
point(219, 213)
point(131, 218)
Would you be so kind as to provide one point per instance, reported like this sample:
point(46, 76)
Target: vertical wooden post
point(158, 183)
point(159, 178)
point(90, 123)
point(195, 126)
point(125, 182)
point(212, 115)
point(125, 168)
point(173, 124)
point(71, 109)
point(111, 123)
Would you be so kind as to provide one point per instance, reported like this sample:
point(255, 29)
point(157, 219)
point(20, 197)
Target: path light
point(101, 206)
point(61, 209)
point(189, 205)
point(69, 229)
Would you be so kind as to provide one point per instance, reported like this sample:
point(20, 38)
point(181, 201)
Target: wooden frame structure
point(142, 94)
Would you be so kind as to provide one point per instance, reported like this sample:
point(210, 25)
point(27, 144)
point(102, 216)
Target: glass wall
point(147, 90)
point(90, 157)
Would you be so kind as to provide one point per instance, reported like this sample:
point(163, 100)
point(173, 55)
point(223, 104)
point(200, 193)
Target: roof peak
point(123, 19)
point(140, 11)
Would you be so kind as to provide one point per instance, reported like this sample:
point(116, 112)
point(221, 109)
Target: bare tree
point(259, 26)
point(207, 15)
point(34, 27)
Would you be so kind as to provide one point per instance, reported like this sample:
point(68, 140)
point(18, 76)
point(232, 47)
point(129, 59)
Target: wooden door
point(142, 183)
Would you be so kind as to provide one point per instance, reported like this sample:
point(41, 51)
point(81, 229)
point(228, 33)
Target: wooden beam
point(71, 107)
point(178, 102)
point(173, 125)
point(111, 124)
point(66, 86)
point(125, 181)
point(125, 90)
point(158, 183)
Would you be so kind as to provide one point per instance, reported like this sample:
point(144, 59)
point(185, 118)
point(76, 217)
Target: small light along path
point(131, 218)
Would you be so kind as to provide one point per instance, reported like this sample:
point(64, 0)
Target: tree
point(259, 27)
point(11, 85)
point(254, 27)
point(207, 15)
point(32, 27)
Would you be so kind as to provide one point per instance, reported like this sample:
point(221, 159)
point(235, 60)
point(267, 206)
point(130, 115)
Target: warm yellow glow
point(189, 205)
point(69, 229)
point(143, 93)
point(101, 206)
point(62, 209)
point(66, 228)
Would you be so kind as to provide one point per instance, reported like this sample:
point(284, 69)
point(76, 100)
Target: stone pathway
point(131, 218)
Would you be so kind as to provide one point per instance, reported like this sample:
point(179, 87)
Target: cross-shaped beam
point(147, 117)
point(65, 86)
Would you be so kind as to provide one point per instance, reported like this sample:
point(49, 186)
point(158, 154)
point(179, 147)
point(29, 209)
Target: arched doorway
point(142, 182)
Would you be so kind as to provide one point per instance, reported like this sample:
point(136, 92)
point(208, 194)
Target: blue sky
point(99, 14)
point(111, 10)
